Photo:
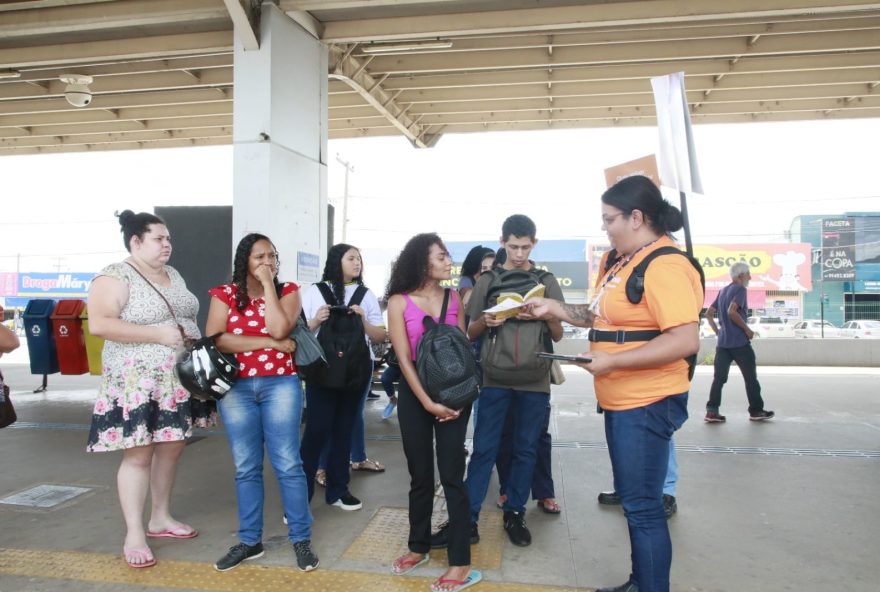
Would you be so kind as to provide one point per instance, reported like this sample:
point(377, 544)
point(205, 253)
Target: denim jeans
point(331, 419)
point(358, 436)
point(542, 479)
point(265, 411)
point(744, 356)
point(528, 413)
point(390, 375)
point(638, 443)
point(671, 471)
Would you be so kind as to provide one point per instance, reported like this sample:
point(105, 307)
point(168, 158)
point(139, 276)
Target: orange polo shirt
point(673, 296)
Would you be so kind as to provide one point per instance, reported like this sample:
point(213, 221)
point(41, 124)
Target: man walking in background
point(734, 344)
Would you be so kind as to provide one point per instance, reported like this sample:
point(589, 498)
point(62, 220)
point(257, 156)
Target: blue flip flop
point(474, 577)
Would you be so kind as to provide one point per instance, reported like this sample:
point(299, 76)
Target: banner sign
point(678, 156)
point(8, 284)
point(838, 250)
point(54, 285)
point(777, 267)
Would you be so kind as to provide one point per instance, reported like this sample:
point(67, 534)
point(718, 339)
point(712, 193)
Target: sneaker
point(714, 417)
point(306, 560)
point(373, 396)
point(761, 416)
point(517, 531)
point(389, 410)
point(609, 498)
point(348, 503)
point(237, 554)
point(630, 586)
point(440, 539)
point(670, 506)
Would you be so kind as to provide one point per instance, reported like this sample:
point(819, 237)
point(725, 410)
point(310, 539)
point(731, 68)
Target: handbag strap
point(162, 296)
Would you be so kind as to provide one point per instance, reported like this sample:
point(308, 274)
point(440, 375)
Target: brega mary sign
point(838, 250)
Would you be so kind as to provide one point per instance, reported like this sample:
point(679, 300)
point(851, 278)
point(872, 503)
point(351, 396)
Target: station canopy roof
point(162, 69)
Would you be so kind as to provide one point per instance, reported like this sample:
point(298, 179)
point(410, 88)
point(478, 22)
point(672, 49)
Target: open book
point(509, 303)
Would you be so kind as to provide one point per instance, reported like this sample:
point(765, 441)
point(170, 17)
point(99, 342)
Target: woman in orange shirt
point(637, 353)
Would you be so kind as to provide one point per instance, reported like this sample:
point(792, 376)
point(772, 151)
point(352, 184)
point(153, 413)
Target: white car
point(861, 329)
point(813, 329)
point(767, 327)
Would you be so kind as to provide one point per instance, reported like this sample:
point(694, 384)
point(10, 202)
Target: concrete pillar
point(280, 144)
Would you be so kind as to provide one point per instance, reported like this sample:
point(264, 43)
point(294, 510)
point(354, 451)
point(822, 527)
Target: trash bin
point(40, 338)
point(69, 339)
point(94, 346)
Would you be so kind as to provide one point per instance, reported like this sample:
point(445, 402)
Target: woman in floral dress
point(141, 408)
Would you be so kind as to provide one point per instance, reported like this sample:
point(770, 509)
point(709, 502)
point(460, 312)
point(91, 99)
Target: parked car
point(861, 329)
point(767, 327)
point(813, 328)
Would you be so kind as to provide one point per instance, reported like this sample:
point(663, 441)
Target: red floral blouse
point(252, 322)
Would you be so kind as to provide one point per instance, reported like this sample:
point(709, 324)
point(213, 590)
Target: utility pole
point(349, 168)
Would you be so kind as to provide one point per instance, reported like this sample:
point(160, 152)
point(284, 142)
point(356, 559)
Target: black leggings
point(418, 429)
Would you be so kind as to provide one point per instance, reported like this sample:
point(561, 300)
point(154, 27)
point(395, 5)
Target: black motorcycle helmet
point(205, 371)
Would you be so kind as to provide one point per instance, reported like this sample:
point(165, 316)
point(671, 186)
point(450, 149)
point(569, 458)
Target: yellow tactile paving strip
point(385, 538)
point(187, 575)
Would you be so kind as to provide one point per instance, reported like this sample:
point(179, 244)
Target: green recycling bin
point(94, 346)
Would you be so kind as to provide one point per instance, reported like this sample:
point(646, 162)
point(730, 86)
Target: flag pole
point(688, 245)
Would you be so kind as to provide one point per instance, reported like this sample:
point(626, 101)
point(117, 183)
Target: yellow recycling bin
point(94, 346)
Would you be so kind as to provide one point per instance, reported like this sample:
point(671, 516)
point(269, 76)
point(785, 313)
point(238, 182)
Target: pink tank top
point(413, 315)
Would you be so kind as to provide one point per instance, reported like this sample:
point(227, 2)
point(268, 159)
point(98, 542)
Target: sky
point(57, 209)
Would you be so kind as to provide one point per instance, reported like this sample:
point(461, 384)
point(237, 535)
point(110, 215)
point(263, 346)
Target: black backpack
point(508, 352)
point(635, 285)
point(445, 362)
point(343, 339)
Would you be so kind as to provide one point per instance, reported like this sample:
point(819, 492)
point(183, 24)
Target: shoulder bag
point(202, 369)
point(7, 411)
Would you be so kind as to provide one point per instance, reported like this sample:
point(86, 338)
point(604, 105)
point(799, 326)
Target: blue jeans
point(528, 418)
point(390, 375)
point(671, 471)
point(638, 443)
point(358, 436)
point(266, 411)
point(542, 480)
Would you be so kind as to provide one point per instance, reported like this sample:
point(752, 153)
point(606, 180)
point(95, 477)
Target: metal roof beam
point(561, 18)
point(245, 15)
point(353, 72)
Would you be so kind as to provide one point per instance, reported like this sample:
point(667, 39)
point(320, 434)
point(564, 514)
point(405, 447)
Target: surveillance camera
point(77, 90)
point(78, 95)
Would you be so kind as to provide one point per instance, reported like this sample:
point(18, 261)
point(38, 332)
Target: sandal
point(183, 531)
point(405, 564)
point(502, 499)
point(549, 505)
point(442, 584)
point(144, 555)
point(321, 477)
point(368, 465)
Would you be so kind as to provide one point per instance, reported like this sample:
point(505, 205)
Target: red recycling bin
point(69, 337)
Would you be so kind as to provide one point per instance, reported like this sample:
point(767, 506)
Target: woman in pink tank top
point(414, 292)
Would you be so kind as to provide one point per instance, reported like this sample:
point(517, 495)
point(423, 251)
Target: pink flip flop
point(474, 577)
point(403, 565)
point(184, 531)
point(145, 555)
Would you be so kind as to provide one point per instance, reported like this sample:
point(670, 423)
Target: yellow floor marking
point(385, 539)
point(188, 575)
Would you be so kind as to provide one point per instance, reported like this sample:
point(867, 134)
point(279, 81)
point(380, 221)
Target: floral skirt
point(139, 405)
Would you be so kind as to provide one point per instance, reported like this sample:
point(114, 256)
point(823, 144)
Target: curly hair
point(333, 270)
point(410, 270)
point(131, 224)
point(240, 268)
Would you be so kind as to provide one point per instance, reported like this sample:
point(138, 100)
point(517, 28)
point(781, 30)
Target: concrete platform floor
point(788, 504)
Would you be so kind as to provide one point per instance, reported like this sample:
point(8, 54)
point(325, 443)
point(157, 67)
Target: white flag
point(678, 157)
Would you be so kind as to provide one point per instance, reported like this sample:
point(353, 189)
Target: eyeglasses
point(608, 220)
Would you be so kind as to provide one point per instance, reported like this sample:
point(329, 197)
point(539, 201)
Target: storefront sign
point(54, 285)
point(838, 250)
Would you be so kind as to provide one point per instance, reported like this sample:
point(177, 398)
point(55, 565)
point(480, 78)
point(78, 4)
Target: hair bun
point(125, 217)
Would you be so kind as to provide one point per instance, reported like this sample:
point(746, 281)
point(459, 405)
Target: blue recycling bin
point(40, 337)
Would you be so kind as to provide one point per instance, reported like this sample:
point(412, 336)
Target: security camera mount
point(77, 86)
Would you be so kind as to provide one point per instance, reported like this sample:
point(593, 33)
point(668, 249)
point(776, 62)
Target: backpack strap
point(635, 285)
point(327, 293)
point(428, 320)
point(358, 295)
point(612, 259)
